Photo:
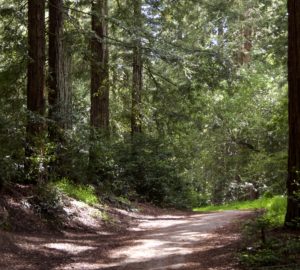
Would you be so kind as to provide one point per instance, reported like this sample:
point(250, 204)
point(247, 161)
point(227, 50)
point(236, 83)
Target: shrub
point(47, 202)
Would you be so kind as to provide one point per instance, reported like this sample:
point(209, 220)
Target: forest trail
point(174, 240)
point(180, 242)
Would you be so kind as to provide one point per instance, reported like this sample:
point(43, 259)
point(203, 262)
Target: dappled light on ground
point(69, 248)
point(187, 241)
point(168, 240)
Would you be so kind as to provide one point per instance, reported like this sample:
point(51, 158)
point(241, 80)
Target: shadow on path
point(206, 241)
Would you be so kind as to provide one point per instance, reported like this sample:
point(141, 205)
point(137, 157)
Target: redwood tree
point(59, 95)
point(99, 114)
point(35, 89)
point(99, 66)
point(137, 70)
point(293, 181)
point(136, 98)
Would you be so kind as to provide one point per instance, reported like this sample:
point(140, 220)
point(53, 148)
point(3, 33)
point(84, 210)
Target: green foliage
point(214, 130)
point(74, 156)
point(278, 251)
point(147, 170)
point(159, 174)
point(47, 203)
point(274, 206)
point(265, 244)
point(276, 211)
point(84, 193)
point(264, 257)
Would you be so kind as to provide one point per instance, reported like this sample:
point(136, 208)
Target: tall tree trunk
point(136, 105)
point(59, 94)
point(99, 66)
point(293, 181)
point(35, 90)
point(246, 32)
point(99, 115)
point(137, 72)
point(245, 53)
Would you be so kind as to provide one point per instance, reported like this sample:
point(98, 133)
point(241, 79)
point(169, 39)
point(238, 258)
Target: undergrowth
point(84, 193)
point(275, 207)
point(280, 250)
point(265, 244)
point(47, 203)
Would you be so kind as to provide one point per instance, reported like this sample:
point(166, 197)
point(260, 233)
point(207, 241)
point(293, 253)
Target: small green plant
point(262, 257)
point(106, 217)
point(276, 211)
point(47, 202)
point(84, 193)
point(277, 251)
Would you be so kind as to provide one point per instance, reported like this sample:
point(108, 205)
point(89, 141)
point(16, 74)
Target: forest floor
point(109, 238)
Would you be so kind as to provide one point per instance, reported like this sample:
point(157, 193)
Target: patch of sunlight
point(243, 205)
point(149, 249)
point(79, 266)
point(178, 266)
point(69, 248)
point(84, 193)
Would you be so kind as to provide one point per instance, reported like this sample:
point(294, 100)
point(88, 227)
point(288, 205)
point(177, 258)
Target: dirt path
point(177, 241)
point(169, 242)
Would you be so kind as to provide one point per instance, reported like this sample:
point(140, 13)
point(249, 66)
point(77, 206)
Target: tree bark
point(137, 71)
point(99, 114)
point(35, 90)
point(59, 96)
point(244, 55)
point(99, 66)
point(136, 97)
point(293, 180)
